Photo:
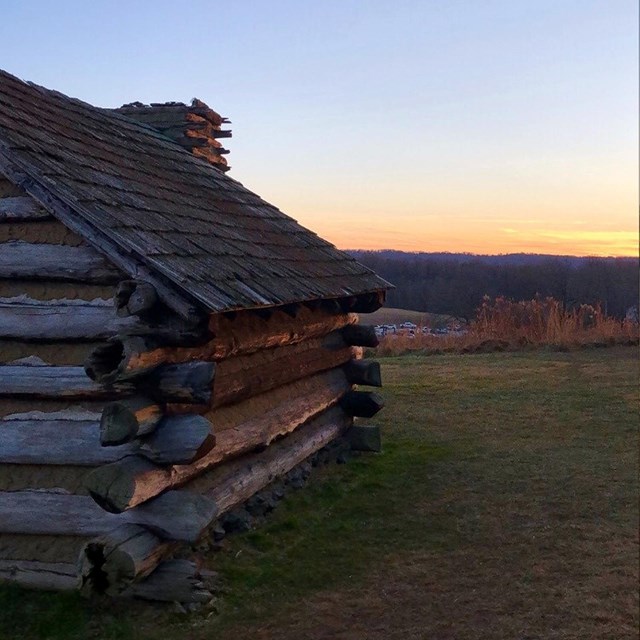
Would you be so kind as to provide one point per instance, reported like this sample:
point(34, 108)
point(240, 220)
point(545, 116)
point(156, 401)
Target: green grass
point(504, 505)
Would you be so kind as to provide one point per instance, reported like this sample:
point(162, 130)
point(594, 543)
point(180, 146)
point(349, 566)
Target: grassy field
point(504, 506)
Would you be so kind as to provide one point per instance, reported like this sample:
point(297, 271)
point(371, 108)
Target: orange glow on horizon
point(574, 242)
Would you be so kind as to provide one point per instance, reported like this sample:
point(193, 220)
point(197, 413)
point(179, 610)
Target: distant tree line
point(455, 284)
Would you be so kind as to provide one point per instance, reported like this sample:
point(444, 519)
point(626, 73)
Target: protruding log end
point(360, 335)
point(364, 303)
point(104, 363)
point(363, 404)
point(109, 565)
point(134, 298)
point(125, 420)
point(365, 437)
point(179, 440)
point(118, 360)
point(364, 372)
point(113, 486)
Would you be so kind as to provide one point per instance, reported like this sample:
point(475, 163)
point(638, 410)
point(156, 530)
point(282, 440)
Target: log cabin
point(169, 342)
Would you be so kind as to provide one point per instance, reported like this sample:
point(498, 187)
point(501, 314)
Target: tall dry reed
point(502, 324)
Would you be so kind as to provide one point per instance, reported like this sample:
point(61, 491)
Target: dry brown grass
point(503, 325)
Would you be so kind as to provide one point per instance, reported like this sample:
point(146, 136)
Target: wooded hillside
point(454, 284)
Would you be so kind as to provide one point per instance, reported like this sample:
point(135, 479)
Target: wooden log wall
point(125, 431)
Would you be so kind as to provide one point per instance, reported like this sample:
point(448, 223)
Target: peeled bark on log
point(133, 480)
point(236, 378)
point(124, 420)
point(245, 376)
point(235, 482)
point(248, 333)
point(21, 208)
point(112, 563)
point(179, 440)
point(55, 262)
point(174, 515)
point(363, 404)
point(50, 576)
point(365, 372)
point(176, 581)
point(42, 381)
point(361, 335)
point(135, 298)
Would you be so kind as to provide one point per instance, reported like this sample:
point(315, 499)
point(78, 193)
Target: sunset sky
point(486, 126)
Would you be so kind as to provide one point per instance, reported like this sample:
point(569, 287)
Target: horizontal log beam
point(237, 481)
point(27, 319)
point(246, 334)
point(42, 381)
point(21, 208)
point(175, 515)
point(236, 378)
point(56, 442)
point(361, 335)
point(85, 226)
point(49, 576)
point(177, 440)
point(124, 484)
point(365, 372)
point(55, 262)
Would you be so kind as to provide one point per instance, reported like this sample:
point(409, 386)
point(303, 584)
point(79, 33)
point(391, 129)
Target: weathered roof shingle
point(191, 226)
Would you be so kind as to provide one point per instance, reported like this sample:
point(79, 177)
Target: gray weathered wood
point(364, 404)
point(365, 372)
point(127, 419)
point(54, 382)
point(21, 208)
point(176, 580)
point(54, 262)
point(56, 442)
point(40, 320)
point(135, 298)
point(50, 576)
point(174, 515)
point(360, 335)
point(179, 440)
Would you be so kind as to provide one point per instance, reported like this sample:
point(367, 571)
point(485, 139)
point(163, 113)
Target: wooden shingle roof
point(163, 213)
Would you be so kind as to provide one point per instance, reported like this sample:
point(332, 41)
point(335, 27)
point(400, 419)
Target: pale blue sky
point(473, 125)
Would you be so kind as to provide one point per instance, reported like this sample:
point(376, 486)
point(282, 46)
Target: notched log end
point(105, 362)
point(134, 298)
point(118, 425)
